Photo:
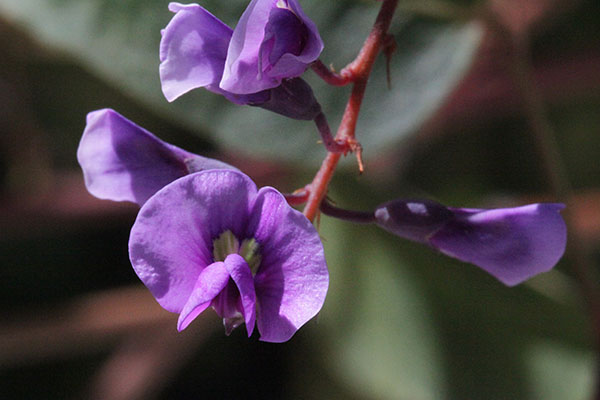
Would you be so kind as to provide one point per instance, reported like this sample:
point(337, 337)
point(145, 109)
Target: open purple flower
point(212, 239)
point(512, 244)
point(273, 43)
point(124, 162)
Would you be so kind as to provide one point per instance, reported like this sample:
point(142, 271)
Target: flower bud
point(512, 244)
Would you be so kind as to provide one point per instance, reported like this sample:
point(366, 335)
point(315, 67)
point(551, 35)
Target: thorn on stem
point(357, 149)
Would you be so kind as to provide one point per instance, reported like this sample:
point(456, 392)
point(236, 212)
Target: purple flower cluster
point(205, 235)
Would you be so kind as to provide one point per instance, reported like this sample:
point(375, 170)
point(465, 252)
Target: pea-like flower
point(211, 239)
point(256, 64)
point(124, 162)
point(512, 244)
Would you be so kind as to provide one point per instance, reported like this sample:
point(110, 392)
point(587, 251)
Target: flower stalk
point(358, 217)
point(358, 72)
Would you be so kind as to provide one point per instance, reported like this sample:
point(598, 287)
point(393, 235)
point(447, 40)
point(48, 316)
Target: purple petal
point(512, 244)
point(193, 49)
point(211, 281)
point(124, 162)
point(284, 33)
point(291, 64)
point(241, 275)
point(171, 240)
point(228, 305)
point(314, 45)
point(247, 69)
point(292, 280)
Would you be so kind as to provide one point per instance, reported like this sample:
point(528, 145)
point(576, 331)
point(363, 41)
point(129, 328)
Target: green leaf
point(119, 40)
point(558, 372)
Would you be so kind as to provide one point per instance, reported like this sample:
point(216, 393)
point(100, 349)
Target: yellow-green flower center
point(227, 244)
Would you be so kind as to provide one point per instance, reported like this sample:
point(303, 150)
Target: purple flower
point(512, 244)
point(211, 239)
point(273, 42)
point(124, 162)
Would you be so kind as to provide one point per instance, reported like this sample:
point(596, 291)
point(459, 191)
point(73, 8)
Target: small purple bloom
point(512, 244)
point(257, 64)
point(211, 239)
point(124, 162)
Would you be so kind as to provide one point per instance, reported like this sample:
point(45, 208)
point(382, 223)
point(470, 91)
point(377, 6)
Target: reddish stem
point(328, 75)
point(357, 71)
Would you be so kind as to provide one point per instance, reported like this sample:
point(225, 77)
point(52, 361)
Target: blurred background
point(492, 103)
